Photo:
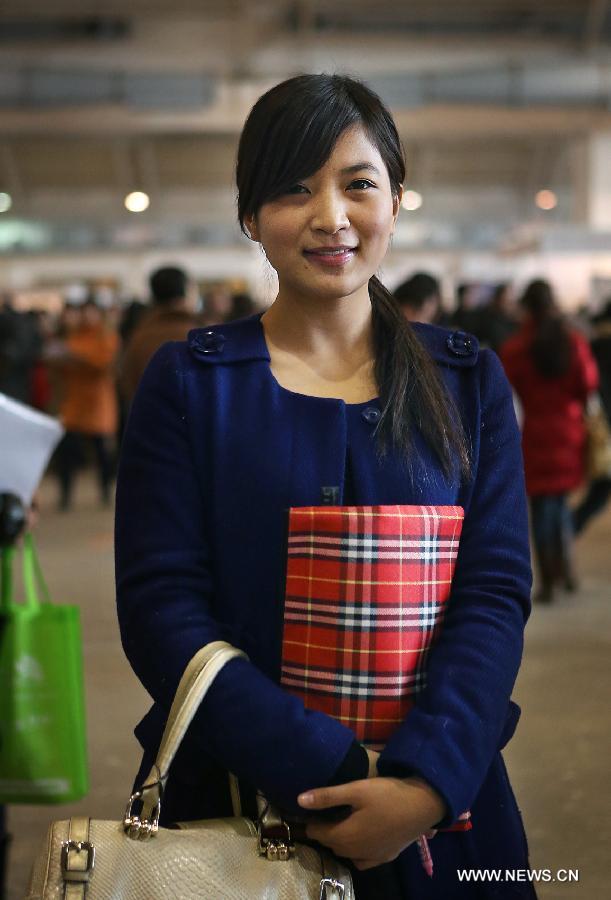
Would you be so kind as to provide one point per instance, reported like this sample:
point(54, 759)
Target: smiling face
point(327, 235)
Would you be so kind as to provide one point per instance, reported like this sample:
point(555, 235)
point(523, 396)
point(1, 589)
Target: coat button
point(371, 415)
point(460, 344)
point(211, 342)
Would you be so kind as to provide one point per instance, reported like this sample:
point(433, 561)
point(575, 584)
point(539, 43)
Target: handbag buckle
point(330, 889)
point(71, 874)
point(140, 829)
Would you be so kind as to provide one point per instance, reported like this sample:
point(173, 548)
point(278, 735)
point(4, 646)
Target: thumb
point(325, 798)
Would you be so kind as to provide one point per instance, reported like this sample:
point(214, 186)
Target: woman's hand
point(373, 757)
point(387, 815)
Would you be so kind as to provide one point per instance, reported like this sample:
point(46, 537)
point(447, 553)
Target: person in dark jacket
point(599, 489)
point(171, 317)
point(467, 313)
point(20, 350)
point(553, 372)
point(498, 319)
point(329, 387)
point(420, 298)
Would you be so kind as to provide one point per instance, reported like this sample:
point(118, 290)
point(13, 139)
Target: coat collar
point(244, 340)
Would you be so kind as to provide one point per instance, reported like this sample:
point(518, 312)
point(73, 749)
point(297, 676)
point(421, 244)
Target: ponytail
point(412, 393)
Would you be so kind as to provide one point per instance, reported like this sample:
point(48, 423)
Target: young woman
point(329, 395)
point(553, 371)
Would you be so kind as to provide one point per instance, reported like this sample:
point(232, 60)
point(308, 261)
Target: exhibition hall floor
point(558, 760)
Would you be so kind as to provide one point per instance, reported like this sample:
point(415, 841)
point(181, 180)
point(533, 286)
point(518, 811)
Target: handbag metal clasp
point(71, 874)
point(140, 829)
point(330, 889)
point(274, 834)
point(276, 849)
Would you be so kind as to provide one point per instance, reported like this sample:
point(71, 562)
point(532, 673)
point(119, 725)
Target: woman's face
point(327, 235)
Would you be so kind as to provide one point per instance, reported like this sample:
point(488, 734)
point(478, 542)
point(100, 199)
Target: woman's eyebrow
point(357, 167)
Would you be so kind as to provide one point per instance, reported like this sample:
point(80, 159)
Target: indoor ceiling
point(493, 98)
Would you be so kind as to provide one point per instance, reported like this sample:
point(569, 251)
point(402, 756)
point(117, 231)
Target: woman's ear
point(396, 202)
point(250, 223)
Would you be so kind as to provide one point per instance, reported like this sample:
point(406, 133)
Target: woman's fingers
point(343, 838)
point(327, 797)
point(321, 832)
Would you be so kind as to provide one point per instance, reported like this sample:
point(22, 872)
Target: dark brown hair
point(551, 348)
point(289, 135)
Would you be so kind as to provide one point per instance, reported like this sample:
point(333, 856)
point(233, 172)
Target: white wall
point(570, 273)
point(131, 268)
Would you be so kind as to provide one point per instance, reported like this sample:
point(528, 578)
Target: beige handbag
point(598, 456)
point(213, 859)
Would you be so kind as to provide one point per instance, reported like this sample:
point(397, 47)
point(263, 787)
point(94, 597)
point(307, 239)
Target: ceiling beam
point(435, 120)
point(305, 17)
point(34, 10)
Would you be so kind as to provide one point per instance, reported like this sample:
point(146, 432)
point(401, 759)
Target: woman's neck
point(312, 328)
point(322, 349)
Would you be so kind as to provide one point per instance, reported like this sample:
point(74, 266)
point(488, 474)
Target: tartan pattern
point(366, 590)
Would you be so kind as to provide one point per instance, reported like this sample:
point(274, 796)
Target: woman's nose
point(330, 213)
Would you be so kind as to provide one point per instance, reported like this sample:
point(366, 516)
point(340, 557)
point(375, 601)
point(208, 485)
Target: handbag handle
point(193, 687)
point(33, 579)
point(6, 579)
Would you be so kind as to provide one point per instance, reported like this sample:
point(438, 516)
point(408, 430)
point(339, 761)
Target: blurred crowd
point(560, 372)
point(84, 365)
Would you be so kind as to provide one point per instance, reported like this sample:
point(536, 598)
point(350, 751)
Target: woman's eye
point(361, 184)
point(296, 189)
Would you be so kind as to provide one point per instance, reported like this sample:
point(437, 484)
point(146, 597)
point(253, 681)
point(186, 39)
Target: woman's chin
point(335, 286)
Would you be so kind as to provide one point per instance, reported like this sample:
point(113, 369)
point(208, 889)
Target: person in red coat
point(552, 370)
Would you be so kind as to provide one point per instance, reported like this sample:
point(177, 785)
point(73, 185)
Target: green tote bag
point(43, 752)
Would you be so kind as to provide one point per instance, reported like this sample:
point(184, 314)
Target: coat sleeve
point(587, 368)
point(168, 609)
point(451, 735)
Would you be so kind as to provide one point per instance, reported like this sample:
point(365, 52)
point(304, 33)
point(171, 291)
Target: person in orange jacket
point(88, 408)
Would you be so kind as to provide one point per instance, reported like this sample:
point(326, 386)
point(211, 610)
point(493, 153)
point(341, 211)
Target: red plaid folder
point(366, 591)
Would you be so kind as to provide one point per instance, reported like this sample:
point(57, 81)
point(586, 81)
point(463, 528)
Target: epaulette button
point(210, 342)
point(460, 344)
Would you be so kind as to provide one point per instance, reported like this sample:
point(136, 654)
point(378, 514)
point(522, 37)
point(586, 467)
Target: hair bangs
point(292, 129)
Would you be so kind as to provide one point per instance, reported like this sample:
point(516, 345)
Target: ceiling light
point(137, 201)
point(411, 200)
point(546, 199)
point(6, 201)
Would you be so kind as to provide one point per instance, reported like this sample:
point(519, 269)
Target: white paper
point(27, 440)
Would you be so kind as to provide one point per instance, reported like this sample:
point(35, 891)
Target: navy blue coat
point(214, 454)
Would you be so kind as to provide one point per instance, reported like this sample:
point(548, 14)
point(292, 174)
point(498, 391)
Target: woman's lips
point(331, 257)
